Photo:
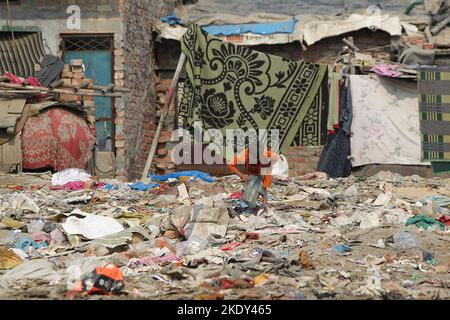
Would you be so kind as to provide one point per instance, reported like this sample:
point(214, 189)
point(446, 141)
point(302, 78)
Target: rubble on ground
point(380, 237)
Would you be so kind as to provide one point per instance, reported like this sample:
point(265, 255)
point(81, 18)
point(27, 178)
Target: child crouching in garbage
point(258, 172)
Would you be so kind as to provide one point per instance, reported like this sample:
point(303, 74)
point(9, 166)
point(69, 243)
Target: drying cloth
point(386, 70)
point(424, 222)
point(234, 87)
point(333, 107)
point(313, 130)
point(434, 107)
point(51, 68)
point(385, 126)
point(334, 159)
point(56, 138)
point(31, 81)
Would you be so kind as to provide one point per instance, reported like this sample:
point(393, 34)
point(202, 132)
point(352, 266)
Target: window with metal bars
point(87, 43)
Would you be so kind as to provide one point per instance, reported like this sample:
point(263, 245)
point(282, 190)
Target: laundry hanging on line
point(234, 87)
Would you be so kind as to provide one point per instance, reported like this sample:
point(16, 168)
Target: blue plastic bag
point(141, 186)
point(176, 175)
point(251, 191)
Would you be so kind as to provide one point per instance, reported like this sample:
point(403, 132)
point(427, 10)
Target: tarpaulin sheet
point(257, 28)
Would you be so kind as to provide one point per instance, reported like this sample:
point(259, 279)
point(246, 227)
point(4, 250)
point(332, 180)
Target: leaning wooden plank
point(169, 98)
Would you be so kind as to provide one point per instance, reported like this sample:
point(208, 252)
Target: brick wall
point(303, 160)
point(140, 120)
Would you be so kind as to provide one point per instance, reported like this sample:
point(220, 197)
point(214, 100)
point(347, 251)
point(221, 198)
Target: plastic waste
point(281, 168)
point(9, 259)
point(7, 237)
point(103, 280)
point(192, 246)
point(163, 200)
point(252, 191)
point(176, 175)
point(404, 240)
point(141, 186)
point(342, 248)
point(351, 191)
point(74, 277)
point(35, 226)
point(19, 201)
point(74, 174)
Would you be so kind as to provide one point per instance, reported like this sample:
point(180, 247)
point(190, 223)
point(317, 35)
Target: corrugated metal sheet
point(20, 56)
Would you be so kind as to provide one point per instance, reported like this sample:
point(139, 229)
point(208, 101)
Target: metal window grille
point(87, 43)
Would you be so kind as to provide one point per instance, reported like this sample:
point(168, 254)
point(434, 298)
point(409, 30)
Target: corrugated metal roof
point(20, 56)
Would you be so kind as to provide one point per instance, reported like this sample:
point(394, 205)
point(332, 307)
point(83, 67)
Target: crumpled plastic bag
point(252, 191)
point(103, 280)
point(19, 201)
point(176, 175)
point(73, 174)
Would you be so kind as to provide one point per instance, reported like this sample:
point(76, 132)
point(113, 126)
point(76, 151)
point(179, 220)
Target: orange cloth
point(253, 169)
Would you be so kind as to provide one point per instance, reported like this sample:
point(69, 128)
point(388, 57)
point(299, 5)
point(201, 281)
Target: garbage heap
point(189, 236)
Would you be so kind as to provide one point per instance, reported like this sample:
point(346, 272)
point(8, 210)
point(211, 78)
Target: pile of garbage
point(189, 236)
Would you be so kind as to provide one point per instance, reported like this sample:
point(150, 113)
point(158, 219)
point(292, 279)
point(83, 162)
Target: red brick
point(67, 74)
point(119, 121)
point(297, 148)
point(296, 160)
point(149, 126)
point(162, 152)
point(78, 75)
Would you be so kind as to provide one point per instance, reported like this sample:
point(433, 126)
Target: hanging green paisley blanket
point(234, 87)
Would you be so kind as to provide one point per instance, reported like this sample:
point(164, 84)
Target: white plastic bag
point(69, 175)
point(281, 168)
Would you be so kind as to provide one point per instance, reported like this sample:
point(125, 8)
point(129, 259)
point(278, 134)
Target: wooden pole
point(169, 98)
point(80, 92)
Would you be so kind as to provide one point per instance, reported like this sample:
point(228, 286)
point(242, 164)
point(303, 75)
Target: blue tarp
point(196, 174)
point(141, 186)
point(234, 29)
point(171, 20)
point(258, 28)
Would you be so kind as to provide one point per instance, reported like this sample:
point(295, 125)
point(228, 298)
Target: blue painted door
point(98, 66)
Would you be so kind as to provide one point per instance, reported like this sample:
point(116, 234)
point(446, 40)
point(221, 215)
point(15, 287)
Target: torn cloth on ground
point(56, 138)
point(424, 222)
point(234, 87)
point(385, 126)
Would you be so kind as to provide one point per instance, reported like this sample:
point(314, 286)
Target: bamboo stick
point(60, 91)
point(169, 98)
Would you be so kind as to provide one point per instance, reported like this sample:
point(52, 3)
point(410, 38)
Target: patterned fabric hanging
point(56, 138)
point(234, 87)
